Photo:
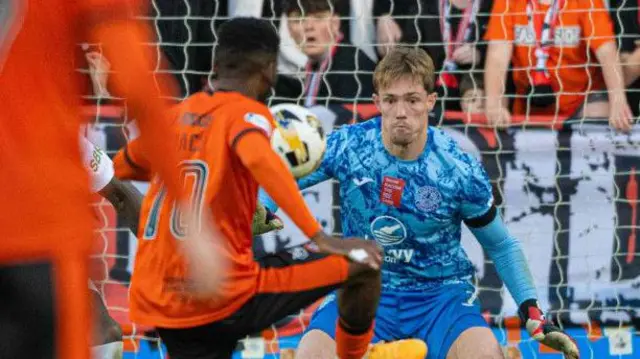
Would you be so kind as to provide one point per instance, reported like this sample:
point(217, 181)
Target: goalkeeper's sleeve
point(506, 253)
point(254, 150)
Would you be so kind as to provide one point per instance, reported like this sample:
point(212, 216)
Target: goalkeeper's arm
point(506, 253)
point(511, 264)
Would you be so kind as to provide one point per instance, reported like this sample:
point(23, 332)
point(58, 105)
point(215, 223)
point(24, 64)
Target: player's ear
point(376, 101)
point(335, 24)
point(431, 100)
point(270, 72)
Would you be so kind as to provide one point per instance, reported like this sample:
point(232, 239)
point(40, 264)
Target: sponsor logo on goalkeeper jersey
point(391, 193)
point(388, 230)
point(395, 255)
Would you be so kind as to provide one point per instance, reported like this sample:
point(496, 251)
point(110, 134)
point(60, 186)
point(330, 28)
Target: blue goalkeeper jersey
point(414, 209)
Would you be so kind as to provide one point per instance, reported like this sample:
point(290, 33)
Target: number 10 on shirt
point(194, 174)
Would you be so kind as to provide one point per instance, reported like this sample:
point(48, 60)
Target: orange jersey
point(45, 189)
point(582, 27)
point(209, 127)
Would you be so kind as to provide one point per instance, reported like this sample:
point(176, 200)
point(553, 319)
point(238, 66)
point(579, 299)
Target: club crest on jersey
point(428, 198)
point(259, 121)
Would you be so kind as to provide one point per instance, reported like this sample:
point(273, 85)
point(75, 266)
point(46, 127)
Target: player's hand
point(388, 34)
point(545, 332)
point(265, 221)
point(620, 116)
point(498, 116)
point(355, 249)
point(99, 68)
point(466, 54)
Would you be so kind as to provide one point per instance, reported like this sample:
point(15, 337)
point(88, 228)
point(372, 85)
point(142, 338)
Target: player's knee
point(359, 297)
point(360, 274)
point(316, 344)
point(476, 343)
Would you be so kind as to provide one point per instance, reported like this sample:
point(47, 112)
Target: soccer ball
point(298, 138)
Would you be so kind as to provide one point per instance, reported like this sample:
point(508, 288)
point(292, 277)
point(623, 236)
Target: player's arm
point(123, 41)
point(252, 146)
point(126, 200)
point(482, 218)
point(130, 163)
point(124, 197)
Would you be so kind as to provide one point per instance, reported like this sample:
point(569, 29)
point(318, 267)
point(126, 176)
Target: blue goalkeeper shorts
point(437, 316)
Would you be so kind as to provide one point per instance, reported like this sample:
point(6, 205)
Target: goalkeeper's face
point(404, 105)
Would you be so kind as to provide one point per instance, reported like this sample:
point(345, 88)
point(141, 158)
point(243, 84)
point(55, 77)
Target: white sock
point(108, 351)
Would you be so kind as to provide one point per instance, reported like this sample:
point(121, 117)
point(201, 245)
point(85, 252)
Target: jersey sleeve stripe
point(131, 162)
point(482, 220)
point(244, 132)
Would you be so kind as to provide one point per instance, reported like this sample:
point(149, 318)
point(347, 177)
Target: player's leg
point(448, 317)
point(357, 298)
point(319, 339)
point(288, 282)
point(316, 344)
point(475, 343)
point(107, 334)
point(72, 304)
point(27, 311)
point(357, 303)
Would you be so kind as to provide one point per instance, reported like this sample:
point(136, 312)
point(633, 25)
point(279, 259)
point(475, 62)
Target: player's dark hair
point(306, 7)
point(245, 45)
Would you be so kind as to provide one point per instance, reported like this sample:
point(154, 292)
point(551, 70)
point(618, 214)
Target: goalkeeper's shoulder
point(354, 135)
point(448, 149)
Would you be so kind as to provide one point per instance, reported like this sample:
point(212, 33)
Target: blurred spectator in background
point(337, 71)
point(453, 42)
point(550, 44)
point(625, 16)
point(472, 93)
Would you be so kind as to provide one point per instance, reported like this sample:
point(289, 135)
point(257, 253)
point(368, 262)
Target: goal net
point(567, 186)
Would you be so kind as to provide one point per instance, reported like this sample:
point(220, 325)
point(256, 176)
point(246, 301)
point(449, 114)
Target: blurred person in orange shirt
point(45, 219)
point(550, 44)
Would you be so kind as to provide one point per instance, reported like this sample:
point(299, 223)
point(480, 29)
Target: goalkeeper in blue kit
point(409, 187)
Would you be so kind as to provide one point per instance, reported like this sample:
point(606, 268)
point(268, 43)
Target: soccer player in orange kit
point(225, 149)
point(45, 219)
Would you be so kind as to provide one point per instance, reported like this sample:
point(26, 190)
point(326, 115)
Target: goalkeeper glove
point(265, 221)
point(546, 332)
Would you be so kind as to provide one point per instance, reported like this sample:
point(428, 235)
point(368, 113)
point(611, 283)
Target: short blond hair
point(405, 61)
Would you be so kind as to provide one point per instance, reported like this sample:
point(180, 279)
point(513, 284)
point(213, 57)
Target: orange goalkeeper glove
point(545, 331)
